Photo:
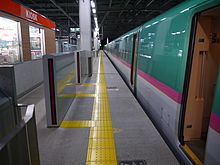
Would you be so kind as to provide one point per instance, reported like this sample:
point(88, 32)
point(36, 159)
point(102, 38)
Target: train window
point(36, 42)
point(10, 47)
point(202, 83)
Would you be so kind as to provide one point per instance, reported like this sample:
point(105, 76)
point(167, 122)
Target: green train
point(171, 64)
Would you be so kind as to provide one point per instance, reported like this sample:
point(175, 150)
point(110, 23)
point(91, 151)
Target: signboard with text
point(26, 13)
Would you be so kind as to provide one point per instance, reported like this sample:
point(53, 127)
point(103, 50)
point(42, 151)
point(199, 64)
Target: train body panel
point(161, 67)
point(213, 148)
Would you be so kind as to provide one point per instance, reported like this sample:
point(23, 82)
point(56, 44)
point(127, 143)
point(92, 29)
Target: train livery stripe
point(215, 122)
point(176, 96)
point(173, 94)
point(122, 61)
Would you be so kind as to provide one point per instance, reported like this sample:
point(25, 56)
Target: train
point(171, 64)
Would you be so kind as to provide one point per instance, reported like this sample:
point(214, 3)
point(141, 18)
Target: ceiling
point(115, 16)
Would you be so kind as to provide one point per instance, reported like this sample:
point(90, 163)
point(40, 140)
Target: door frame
point(188, 74)
point(133, 72)
point(187, 78)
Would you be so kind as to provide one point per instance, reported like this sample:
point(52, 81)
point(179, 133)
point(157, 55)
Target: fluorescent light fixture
point(147, 26)
point(187, 9)
point(96, 29)
point(163, 19)
point(94, 11)
point(155, 23)
point(93, 4)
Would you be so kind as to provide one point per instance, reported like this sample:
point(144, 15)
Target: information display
point(9, 41)
point(36, 42)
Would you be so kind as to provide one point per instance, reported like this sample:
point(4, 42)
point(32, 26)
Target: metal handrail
point(23, 138)
point(6, 139)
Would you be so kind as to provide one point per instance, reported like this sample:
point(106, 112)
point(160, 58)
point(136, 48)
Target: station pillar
point(85, 24)
point(95, 36)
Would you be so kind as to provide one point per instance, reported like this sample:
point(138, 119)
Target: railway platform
point(105, 125)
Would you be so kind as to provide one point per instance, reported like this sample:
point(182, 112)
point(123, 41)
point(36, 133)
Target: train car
point(171, 64)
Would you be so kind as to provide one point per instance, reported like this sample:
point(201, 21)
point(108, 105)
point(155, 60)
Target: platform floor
point(121, 133)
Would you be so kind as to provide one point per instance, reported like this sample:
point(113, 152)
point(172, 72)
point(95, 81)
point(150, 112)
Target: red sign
point(28, 14)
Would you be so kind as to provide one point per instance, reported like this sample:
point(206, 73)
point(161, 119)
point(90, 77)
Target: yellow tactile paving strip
point(101, 147)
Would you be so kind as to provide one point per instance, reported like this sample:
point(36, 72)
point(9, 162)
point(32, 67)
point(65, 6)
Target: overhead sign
point(74, 30)
point(26, 13)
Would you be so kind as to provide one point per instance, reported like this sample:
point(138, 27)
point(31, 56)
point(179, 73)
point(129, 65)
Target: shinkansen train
point(171, 64)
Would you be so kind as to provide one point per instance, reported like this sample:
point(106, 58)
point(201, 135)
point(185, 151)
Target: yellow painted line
point(78, 123)
point(192, 155)
point(81, 84)
point(62, 83)
point(101, 148)
point(77, 95)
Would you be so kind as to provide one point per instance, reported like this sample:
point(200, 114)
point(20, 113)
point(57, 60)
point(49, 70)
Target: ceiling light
point(93, 4)
point(94, 11)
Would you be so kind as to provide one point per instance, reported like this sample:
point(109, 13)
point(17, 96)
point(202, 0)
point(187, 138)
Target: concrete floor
point(136, 138)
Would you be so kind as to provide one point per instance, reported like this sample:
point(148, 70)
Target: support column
point(85, 24)
point(95, 35)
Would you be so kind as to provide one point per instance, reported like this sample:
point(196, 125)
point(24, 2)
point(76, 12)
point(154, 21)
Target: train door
point(134, 61)
point(203, 77)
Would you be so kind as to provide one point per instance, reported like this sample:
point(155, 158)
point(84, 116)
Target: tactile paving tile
point(101, 143)
point(101, 135)
point(102, 163)
point(101, 129)
point(101, 154)
point(77, 124)
point(103, 123)
point(101, 148)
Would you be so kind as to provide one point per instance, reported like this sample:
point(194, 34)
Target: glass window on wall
point(10, 50)
point(36, 42)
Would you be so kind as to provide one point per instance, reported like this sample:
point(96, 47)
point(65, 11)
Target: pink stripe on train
point(122, 61)
point(174, 95)
point(215, 122)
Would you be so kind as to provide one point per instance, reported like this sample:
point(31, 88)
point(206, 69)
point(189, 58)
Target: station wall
point(49, 36)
